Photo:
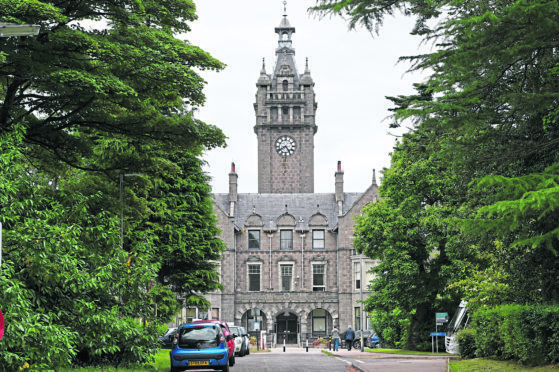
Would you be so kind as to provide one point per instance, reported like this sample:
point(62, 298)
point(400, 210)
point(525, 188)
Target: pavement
point(362, 361)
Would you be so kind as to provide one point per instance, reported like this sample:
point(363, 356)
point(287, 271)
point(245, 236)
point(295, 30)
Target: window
point(286, 272)
point(318, 282)
point(285, 113)
point(318, 239)
point(357, 274)
point(284, 85)
point(286, 239)
point(274, 113)
point(296, 112)
point(215, 313)
point(318, 321)
point(253, 239)
point(254, 278)
point(357, 318)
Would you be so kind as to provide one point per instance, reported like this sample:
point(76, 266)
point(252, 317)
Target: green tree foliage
point(486, 121)
point(107, 72)
point(97, 124)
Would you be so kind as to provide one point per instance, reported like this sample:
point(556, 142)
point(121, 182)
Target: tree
point(105, 90)
point(492, 124)
point(108, 72)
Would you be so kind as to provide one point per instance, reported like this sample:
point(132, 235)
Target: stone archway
point(254, 320)
point(287, 327)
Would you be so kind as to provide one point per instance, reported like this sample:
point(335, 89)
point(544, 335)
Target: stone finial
point(374, 177)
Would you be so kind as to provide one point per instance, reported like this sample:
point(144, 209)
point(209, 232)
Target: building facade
point(290, 267)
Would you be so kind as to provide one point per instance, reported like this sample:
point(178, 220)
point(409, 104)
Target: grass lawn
point(161, 364)
point(494, 366)
point(406, 352)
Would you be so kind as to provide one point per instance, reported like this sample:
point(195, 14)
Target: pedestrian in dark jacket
point(349, 336)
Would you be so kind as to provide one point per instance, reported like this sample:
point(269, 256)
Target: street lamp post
point(14, 29)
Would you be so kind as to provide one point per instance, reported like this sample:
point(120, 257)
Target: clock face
point(285, 146)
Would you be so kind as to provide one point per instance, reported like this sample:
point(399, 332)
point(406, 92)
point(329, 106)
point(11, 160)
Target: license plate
point(198, 363)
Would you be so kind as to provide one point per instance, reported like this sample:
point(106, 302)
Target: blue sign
point(433, 334)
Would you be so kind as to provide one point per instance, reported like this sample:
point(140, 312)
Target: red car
point(226, 332)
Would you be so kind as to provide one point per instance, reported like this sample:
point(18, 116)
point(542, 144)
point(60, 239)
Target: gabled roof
point(271, 206)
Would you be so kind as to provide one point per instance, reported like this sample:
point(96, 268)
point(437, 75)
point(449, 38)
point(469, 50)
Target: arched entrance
point(287, 327)
point(254, 320)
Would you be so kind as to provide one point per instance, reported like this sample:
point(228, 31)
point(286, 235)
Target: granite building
point(290, 268)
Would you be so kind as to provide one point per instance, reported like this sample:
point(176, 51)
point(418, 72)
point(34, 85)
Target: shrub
point(525, 333)
point(467, 343)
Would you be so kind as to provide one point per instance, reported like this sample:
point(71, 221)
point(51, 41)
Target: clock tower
point(285, 111)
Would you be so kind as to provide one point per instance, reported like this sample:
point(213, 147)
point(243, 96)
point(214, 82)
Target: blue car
point(200, 346)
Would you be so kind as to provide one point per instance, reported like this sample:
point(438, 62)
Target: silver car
point(241, 339)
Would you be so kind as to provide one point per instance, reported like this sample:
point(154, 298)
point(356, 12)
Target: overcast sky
point(352, 70)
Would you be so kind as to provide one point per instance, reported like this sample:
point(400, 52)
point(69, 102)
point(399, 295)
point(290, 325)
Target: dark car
point(368, 335)
point(227, 333)
point(167, 339)
point(200, 345)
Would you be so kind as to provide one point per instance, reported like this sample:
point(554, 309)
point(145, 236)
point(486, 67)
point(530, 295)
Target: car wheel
point(225, 368)
point(174, 369)
point(248, 349)
point(232, 361)
point(357, 344)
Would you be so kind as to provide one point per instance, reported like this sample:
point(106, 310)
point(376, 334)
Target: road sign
point(441, 317)
point(438, 334)
point(1, 324)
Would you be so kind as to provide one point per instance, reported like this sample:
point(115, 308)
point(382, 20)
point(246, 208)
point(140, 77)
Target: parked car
point(374, 340)
point(167, 339)
point(367, 334)
point(242, 340)
point(227, 333)
point(200, 345)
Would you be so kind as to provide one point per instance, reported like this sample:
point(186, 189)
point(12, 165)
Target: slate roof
point(271, 206)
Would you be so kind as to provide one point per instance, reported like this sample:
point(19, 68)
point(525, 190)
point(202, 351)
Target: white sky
point(352, 70)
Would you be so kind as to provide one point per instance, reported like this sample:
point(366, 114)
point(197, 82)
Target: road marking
point(360, 361)
point(343, 360)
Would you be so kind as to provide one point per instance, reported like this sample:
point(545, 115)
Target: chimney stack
point(339, 175)
point(232, 190)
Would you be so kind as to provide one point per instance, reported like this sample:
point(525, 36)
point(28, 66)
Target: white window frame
point(282, 240)
point(280, 265)
point(249, 264)
point(323, 240)
point(357, 277)
point(314, 266)
point(259, 239)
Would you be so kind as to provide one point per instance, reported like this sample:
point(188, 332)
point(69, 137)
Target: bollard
point(307, 345)
point(330, 345)
point(284, 344)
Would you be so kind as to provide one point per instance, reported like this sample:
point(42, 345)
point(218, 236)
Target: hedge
point(528, 334)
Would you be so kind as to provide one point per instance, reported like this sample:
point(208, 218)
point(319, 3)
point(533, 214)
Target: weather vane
point(284, 7)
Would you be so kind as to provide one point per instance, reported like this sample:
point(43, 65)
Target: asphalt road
point(299, 360)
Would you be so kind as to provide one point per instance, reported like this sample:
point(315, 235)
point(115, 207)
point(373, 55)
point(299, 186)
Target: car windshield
point(235, 331)
point(199, 337)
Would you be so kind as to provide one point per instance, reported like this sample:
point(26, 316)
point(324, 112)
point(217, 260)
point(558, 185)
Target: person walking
point(349, 336)
point(336, 337)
